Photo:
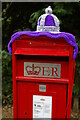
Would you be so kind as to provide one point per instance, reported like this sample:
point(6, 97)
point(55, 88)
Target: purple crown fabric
point(68, 37)
point(49, 21)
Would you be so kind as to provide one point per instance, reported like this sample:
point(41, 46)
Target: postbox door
point(28, 93)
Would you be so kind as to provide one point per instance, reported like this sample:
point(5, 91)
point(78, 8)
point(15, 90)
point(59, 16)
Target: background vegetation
point(24, 16)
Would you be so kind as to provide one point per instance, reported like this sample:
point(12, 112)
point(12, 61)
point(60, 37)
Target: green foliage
point(76, 88)
point(34, 17)
point(7, 77)
point(63, 8)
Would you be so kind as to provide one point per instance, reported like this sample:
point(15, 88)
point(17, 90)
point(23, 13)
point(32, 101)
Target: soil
point(7, 112)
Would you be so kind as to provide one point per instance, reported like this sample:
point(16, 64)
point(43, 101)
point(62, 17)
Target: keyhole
point(25, 114)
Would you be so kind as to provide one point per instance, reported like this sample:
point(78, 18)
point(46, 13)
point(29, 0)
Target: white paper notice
point(42, 106)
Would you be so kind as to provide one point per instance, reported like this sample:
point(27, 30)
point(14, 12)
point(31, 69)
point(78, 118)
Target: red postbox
point(43, 75)
point(43, 71)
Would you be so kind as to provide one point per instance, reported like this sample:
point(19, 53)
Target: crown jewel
point(48, 22)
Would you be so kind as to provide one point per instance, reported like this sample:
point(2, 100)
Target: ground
point(7, 112)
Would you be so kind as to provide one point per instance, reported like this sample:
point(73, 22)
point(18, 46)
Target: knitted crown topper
point(48, 22)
